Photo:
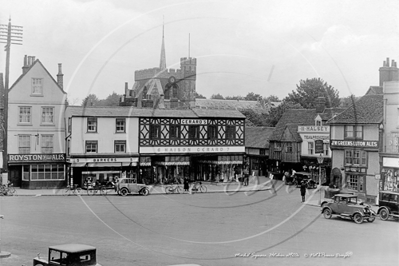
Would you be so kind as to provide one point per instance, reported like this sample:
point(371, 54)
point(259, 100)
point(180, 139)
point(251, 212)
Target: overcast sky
point(259, 46)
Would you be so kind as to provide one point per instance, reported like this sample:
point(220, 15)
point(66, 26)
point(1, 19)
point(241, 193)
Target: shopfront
point(101, 169)
point(390, 174)
point(36, 171)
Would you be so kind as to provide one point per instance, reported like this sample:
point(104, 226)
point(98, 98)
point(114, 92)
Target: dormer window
point(318, 123)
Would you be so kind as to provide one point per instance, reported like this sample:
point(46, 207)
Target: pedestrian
point(185, 184)
point(303, 190)
point(246, 177)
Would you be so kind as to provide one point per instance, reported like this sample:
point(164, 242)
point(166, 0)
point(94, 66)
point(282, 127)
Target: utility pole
point(9, 34)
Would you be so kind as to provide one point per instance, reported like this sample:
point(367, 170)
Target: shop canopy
point(225, 159)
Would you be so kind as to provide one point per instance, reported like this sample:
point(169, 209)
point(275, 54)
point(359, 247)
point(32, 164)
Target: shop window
point(155, 131)
point(326, 149)
point(353, 132)
point(174, 131)
point(355, 182)
point(91, 146)
point(288, 147)
point(24, 144)
point(42, 172)
point(69, 124)
point(47, 115)
point(356, 157)
point(25, 115)
point(212, 132)
point(25, 172)
point(230, 132)
point(37, 87)
point(120, 146)
point(120, 125)
point(92, 124)
point(193, 132)
point(310, 148)
point(47, 144)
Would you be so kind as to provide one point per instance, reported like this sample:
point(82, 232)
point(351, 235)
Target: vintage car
point(388, 203)
point(347, 206)
point(127, 186)
point(68, 255)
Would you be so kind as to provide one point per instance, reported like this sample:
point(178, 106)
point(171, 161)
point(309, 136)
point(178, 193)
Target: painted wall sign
point(54, 157)
point(390, 162)
point(104, 160)
point(349, 143)
point(194, 122)
point(192, 149)
point(319, 146)
point(314, 129)
point(323, 137)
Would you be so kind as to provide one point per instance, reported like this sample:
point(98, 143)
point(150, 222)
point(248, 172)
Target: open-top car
point(127, 186)
point(388, 203)
point(68, 255)
point(347, 206)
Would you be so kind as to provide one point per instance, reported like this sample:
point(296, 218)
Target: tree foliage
point(238, 97)
point(309, 90)
point(198, 95)
point(217, 96)
point(255, 119)
point(272, 98)
point(253, 97)
point(112, 100)
point(90, 100)
point(276, 112)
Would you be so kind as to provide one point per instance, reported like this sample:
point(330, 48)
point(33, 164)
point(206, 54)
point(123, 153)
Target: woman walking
point(185, 184)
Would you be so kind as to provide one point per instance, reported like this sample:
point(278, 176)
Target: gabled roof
point(374, 90)
point(258, 137)
point(129, 111)
point(293, 118)
point(37, 61)
point(367, 110)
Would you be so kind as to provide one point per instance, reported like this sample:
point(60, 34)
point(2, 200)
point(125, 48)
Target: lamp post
point(320, 160)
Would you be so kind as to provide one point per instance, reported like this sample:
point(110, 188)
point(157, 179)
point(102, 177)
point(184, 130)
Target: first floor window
point(120, 125)
point(47, 143)
point(326, 149)
point(230, 132)
point(91, 146)
point(25, 114)
point(120, 146)
point(193, 132)
point(310, 148)
point(48, 115)
point(356, 157)
point(355, 182)
point(155, 131)
point(174, 131)
point(212, 132)
point(24, 144)
point(92, 124)
point(289, 147)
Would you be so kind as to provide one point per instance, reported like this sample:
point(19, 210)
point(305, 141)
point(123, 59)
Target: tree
point(238, 97)
point(348, 101)
point(217, 96)
point(273, 98)
point(276, 112)
point(309, 90)
point(198, 96)
point(252, 97)
point(112, 100)
point(255, 119)
point(90, 100)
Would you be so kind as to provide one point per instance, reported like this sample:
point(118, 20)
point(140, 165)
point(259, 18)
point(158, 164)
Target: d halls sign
point(54, 157)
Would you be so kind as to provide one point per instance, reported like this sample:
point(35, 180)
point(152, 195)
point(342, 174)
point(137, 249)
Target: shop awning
point(228, 159)
point(175, 160)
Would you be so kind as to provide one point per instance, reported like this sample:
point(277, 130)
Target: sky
point(241, 46)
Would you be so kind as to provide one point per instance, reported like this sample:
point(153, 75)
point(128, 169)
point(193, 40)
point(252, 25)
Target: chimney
point(25, 67)
point(60, 76)
point(320, 104)
point(126, 89)
point(388, 73)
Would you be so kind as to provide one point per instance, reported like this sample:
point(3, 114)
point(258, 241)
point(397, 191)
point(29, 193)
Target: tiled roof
point(258, 137)
point(331, 112)
point(232, 104)
point(374, 90)
point(367, 110)
point(293, 117)
point(128, 111)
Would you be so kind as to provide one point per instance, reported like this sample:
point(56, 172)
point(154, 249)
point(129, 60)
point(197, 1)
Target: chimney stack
point(389, 73)
point(25, 67)
point(60, 76)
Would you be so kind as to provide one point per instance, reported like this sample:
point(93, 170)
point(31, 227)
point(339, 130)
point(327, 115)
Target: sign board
point(353, 143)
point(194, 122)
point(320, 159)
point(314, 129)
point(53, 157)
point(390, 162)
point(192, 149)
point(319, 146)
point(104, 160)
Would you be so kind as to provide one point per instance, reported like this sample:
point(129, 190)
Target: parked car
point(68, 255)
point(347, 206)
point(388, 205)
point(127, 186)
point(330, 200)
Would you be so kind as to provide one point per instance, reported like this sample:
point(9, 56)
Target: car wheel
point(371, 219)
point(327, 213)
point(384, 214)
point(358, 218)
point(145, 192)
point(124, 192)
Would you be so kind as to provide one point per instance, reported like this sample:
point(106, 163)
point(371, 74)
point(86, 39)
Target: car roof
point(346, 195)
point(390, 192)
point(73, 248)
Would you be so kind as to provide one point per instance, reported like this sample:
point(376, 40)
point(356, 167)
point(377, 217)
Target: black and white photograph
point(199, 132)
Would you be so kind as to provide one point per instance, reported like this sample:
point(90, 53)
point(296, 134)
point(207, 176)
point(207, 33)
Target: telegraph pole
point(9, 34)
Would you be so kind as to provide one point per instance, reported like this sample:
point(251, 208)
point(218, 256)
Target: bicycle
point(7, 190)
point(72, 190)
point(172, 189)
point(198, 186)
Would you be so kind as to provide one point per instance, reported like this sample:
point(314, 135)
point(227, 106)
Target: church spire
point(162, 64)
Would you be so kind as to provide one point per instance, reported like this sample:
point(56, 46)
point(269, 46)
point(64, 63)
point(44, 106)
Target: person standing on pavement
point(303, 191)
point(185, 182)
